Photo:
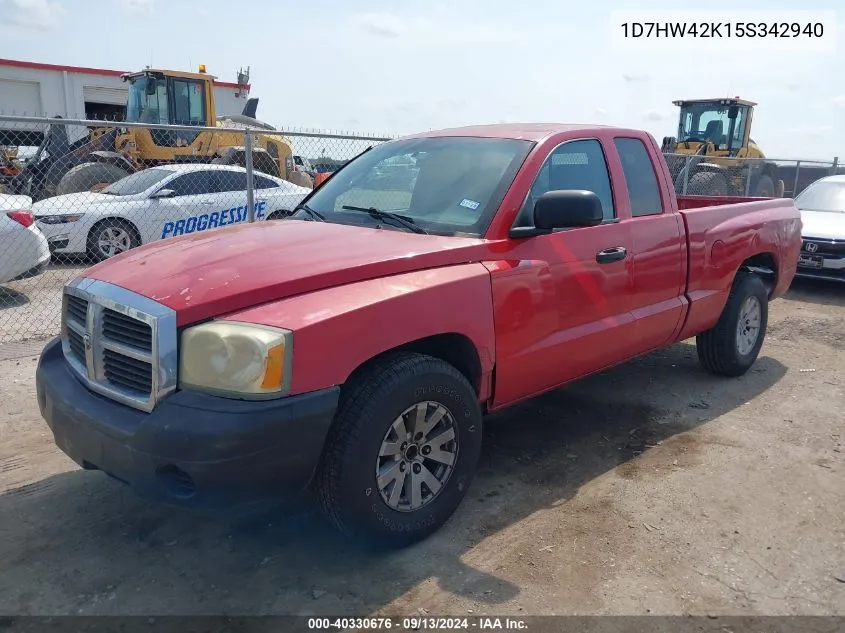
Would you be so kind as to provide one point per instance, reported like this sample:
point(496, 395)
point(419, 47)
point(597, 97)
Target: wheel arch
point(451, 347)
point(763, 264)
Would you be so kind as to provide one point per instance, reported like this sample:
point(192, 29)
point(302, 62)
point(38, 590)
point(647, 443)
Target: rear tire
point(87, 176)
point(707, 183)
point(765, 187)
point(731, 346)
point(375, 447)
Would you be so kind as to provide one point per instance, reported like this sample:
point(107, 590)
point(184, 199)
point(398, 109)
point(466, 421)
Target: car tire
point(732, 346)
point(121, 233)
point(374, 433)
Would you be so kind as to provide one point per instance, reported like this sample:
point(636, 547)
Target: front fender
point(336, 330)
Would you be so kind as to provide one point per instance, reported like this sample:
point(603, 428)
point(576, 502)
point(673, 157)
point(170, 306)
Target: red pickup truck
point(353, 348)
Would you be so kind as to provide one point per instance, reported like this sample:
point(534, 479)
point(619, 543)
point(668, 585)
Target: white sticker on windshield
point(470, 204)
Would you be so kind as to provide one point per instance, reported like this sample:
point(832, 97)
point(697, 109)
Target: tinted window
point(137, 182)
point(231, 180)
point(263, 183)
point(191, 184)
point(643, 189)
point(573, 165)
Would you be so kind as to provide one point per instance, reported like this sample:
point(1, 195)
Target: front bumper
point(193, 449)
point(827, 266)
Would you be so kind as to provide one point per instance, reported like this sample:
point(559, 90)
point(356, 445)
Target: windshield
point(137, 182)
point(822, 196)
point(446, 185)
point(144, 108)
point(701, 122)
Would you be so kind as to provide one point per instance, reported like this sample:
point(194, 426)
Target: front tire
point(111, 237)
point(402, 452)
point(731, 346)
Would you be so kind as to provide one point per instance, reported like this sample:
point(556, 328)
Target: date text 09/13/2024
point(214, 219)
point(417, 623)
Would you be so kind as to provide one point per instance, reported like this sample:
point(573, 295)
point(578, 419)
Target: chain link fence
point(761, 177)
point(76, 192)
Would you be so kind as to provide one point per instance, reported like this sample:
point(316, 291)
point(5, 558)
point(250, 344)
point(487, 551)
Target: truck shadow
point(80, 543)
point(818, 291)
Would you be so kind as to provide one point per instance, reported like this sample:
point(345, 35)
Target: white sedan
point(822, 207)
point(23, 248)
point(158, 203)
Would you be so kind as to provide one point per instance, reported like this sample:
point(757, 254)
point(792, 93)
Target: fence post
point(688, 160)
point(835, 168)
point(748, 181)
point(795, 182)
point(250, 192)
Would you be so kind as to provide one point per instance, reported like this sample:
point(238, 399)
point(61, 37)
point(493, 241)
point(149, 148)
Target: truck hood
point(825, 225)
point(204, 275)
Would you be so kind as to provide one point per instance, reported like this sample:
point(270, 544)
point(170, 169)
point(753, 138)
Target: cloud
point(37, 15)
point(654, 115)
point(601, 111)
point(139, 6)
point(635, 78)
point(381, 24)
point(810, 130)
point(435, 31)
point(838, 102)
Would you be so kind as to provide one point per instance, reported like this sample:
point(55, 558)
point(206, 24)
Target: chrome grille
point(127, 330)
point(121, 344)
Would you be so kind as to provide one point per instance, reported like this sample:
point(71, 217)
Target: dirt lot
point(30, 309)
point(652, 488)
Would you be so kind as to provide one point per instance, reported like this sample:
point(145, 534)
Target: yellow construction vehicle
point(713, 153)
point(156, 97)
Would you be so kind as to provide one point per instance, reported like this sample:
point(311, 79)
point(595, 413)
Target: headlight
point(233, 359)
point(58, 219)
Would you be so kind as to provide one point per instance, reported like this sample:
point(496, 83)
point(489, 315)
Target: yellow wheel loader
point(156, 97)
point(713, 153)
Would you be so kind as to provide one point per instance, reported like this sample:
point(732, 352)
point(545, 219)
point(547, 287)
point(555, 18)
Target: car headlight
point(58, 219)
point(239, 360)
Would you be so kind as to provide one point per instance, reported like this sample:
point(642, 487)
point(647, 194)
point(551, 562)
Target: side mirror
point(162, 193)
point(567, 209)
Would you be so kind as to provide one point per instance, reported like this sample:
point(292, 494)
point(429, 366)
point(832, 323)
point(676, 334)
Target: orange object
point(320, 177)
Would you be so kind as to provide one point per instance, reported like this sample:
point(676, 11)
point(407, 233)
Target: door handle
point(608, 255)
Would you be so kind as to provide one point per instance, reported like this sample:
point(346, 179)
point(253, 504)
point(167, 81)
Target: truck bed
point(721, 232)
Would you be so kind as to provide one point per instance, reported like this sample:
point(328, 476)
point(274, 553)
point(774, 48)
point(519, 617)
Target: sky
point(378, 67)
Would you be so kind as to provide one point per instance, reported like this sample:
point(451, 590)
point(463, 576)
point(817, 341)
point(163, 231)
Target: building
point(73, 92)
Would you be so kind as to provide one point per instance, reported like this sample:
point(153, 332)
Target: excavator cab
point(723, 159)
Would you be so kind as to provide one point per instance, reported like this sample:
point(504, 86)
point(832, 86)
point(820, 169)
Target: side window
point(191, 184)
point(231, 180)
point(572, 165)
point(261, 182)
point(188, 102)
point(643, 189)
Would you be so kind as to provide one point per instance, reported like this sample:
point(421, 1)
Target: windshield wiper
point(404, 220)
point(314, 214)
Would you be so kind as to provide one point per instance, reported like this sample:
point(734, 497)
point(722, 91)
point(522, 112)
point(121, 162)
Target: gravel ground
point(30, 309)
point(650, 488)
